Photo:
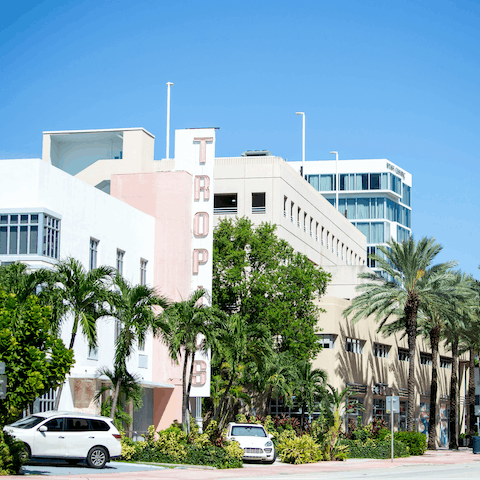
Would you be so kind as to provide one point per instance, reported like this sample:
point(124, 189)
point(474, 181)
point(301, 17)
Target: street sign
point(393, 404)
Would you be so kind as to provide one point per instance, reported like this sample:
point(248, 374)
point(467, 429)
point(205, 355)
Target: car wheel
point(97, 457)
point(26, 453)
point(273, 459)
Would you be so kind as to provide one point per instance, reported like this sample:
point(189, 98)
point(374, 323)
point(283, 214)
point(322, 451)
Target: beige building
point(268, 189)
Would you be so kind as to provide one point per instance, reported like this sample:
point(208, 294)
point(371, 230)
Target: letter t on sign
point(203, 147)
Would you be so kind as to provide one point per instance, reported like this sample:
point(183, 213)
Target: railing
point(225, 211)
point(258, 209)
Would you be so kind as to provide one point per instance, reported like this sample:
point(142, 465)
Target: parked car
point(71, 436)
point(256, 442)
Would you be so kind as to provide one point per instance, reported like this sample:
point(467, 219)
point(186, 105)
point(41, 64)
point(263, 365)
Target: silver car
point(71, 436)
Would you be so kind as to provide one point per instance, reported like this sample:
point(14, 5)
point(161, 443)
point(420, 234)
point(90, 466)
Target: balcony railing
point(225, 211)
point(258, 209)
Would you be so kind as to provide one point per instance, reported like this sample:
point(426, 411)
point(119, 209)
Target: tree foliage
point(259, 277)
point(35, 359)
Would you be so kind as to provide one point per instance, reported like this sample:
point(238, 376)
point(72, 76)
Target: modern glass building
point(375, 195)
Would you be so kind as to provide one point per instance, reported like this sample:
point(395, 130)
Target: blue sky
point(376, 79)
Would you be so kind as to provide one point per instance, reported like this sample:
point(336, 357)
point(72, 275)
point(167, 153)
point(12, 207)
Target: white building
point(375, 195)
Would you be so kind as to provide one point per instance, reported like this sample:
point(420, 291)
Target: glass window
point(93, 253)
point(77, 425)
point(379, 409)
point(395, 184)
point(445, 362)
point(3, 240)
point(143, 272)
point(380, 350)
point(51, 230)
point(55, 425)
point(313, 181)
point(98, 425)
point(425, 358)
point(326, 341)
point(258, 202)
point(13, 240)
point(351, 210)
point(327, 183)
point(225, 203)
point(248, 431)
point(375, 181)
point(120, 256)
point(361, 181)
point(344, 184)
point(403, 355)
point(354, 345)
point(377, 232)
point(371, 262)
point(28, 422)
point(363, 208)
point(406, 193)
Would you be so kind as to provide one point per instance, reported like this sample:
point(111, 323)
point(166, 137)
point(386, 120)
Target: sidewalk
point(439, 457)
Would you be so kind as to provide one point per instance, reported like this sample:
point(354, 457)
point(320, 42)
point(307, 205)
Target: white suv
point(71, 436)
point(256, 442)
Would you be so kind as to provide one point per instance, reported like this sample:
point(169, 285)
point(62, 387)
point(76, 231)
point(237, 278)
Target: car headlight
point(269, 444)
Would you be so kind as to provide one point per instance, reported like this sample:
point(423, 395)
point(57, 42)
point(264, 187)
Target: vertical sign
point(195, 153)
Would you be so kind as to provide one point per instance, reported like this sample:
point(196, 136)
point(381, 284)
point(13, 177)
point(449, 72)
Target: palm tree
point(133, 307)
point(408, 267)
point(83, 295)
point(130, 391)
point(454, 333)
point(240, 343)
point(309, 387)
point(192, 327)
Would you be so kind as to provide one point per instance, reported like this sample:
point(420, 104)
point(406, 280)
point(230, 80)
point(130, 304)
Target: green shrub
point(375, 449)
point(299, 450)
point(416, 441)
point(11, 454)
point(172, 446)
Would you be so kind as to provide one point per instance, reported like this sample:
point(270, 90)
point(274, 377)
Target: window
point(20, 234)
point(395, 184)
point(93, 253)
point(311, 226)
point(370, 261)
point(92, 353)
point(379, 409)
point(77, 425)
point(141, 345)
point(285, 207)
point(445, 362)
point(380, 350)
point(298, 216)
point(326, 340)
point(354, 345)
point(316, 231)
point(51, 233)
point(375, 181)
point(361, 181)
point(291, 211)
point(258, 203)
point(120, 255)
point(425, 358)
point(143, 361)
point(305, 222)
point(143, 272)
point(354, 412)
point(403, 355)
point(55, 425)
point(327, 183)
point(313, 181)
point(225, 204)
point(46, 402)
point(406, 195)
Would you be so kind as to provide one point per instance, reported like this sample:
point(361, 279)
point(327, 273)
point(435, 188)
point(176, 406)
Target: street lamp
point(336, 178)
point(303, 142)
point(169, 84)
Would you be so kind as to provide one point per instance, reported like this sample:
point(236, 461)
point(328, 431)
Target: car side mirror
point(43, 428)
point(270, 436)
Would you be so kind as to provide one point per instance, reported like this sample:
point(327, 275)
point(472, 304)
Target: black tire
point(97, 457)
point(27, 452)
point(270, 462)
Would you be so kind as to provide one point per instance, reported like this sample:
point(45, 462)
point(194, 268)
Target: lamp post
point(337, 186)
point(303, 143)
point(169, 84)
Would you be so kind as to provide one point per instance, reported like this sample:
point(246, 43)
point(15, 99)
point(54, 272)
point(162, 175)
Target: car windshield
point(245, 431)
point(28, 422)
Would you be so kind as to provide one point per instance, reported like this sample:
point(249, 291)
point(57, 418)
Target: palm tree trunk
point(72, 342)
point(225, 393)
point(432, 429)
point(115, 398)
point(189, 387)
point(471, 394)
point(410, 310)
point(453, 425)
point(184, 389)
